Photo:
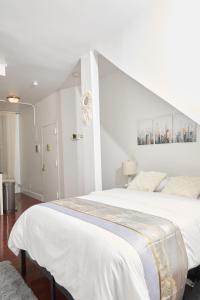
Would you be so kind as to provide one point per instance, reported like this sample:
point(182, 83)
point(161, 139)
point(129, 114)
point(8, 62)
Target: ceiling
point(105, 68)
point(44, 40)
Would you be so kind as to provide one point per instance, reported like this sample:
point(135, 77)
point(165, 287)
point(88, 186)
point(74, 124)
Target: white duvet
point(92, 263)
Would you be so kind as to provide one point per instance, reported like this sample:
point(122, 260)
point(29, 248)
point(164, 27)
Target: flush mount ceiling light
point(13, 99)
point(16, 100)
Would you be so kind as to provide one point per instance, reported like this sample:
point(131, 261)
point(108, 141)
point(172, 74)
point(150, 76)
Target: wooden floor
point(34, 278)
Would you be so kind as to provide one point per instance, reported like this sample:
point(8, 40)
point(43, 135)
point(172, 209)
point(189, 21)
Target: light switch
point(48, 147)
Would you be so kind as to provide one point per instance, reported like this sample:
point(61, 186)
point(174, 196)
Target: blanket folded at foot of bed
point(158, 242)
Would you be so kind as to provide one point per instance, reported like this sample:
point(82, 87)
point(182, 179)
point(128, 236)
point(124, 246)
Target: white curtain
point(7, 144)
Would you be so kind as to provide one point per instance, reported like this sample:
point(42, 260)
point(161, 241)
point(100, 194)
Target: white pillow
point(146, 181)
point(187, 186)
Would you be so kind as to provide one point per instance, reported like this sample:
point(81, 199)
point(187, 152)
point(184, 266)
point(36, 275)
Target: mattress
point(92, 263)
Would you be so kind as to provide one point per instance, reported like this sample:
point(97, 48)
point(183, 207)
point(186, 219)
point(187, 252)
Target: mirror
point(86, 101)
point(86, 107)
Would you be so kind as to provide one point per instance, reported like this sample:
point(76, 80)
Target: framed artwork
point(185, 130)
point(171, 128)
point(163, 129)
point(145, 132)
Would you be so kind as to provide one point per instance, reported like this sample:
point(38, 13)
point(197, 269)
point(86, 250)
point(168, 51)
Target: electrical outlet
point(76, 137)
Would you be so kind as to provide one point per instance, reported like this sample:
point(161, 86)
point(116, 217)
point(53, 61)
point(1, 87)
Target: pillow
point(162, 184)
point(146, 181)
point(187, 186)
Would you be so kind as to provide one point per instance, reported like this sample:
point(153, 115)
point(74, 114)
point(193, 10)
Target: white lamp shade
point(129, 167)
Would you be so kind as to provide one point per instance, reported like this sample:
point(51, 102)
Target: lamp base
point(129, 179)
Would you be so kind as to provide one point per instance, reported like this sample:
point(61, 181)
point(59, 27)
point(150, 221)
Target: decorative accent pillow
point(146, 181)
point(187, 186)
point(162, 184)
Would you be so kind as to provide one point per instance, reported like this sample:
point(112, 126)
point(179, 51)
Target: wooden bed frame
point(53, 283)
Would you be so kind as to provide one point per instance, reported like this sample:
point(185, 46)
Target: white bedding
point(95, 264)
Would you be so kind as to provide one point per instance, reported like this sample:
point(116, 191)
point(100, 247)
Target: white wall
point(62, 107)
point(73, 164)
point(31, 177)
point(82, 158)
point(47, 112)
point(124, 102)
point(160, 49)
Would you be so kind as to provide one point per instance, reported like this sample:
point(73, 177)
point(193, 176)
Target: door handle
point(43, 168)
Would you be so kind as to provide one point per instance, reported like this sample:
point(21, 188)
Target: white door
point(50, 169)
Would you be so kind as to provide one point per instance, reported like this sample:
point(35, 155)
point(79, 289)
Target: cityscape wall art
point(166, 129)
point(145, 132)
point(185, 130)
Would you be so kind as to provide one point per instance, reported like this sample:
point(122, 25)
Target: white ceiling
point(43, 40)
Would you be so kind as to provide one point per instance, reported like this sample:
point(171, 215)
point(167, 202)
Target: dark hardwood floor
point(35, 279)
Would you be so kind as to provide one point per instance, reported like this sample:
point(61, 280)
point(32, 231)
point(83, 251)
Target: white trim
point(32, 194)
point(2, 112)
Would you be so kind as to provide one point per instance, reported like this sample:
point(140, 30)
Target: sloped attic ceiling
point(43, 40)
point(160, 49)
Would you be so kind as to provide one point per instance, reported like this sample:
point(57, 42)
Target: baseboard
point(17, 188)
point(32, 194)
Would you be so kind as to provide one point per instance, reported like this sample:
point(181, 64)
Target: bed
point(93, 263)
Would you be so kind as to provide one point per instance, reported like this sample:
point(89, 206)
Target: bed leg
point(23, 263)
point(53, 288)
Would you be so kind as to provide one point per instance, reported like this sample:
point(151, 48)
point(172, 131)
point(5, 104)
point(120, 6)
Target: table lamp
point(129, 168)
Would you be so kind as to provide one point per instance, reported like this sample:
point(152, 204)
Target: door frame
point(58, 156)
